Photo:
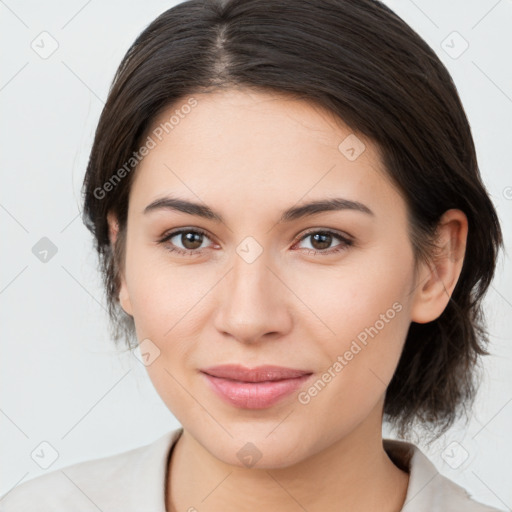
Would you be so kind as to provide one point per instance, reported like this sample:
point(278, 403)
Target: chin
point(253, 447)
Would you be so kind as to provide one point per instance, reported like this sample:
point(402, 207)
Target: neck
point(354, 473)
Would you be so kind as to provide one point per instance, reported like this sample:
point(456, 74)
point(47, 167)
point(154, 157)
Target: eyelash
point(346, 242)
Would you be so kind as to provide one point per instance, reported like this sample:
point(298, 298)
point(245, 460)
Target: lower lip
point(254, 395)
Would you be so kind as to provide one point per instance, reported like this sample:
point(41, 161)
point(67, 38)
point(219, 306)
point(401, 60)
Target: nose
point(254, 304)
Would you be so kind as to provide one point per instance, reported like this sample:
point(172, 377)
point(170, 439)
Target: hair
point(363, 63)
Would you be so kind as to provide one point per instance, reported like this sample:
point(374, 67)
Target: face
point(330, 292)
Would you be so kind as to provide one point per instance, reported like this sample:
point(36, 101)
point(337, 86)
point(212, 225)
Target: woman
point(292, 227)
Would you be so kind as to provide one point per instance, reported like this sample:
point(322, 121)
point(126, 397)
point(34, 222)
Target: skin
point(249, 155)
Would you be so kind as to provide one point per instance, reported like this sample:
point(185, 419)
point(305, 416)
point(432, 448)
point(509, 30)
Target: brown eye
point(321, 242)
point(186, 241)
point(191, 240)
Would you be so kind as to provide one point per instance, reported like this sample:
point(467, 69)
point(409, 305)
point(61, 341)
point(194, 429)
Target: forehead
point(262, 148)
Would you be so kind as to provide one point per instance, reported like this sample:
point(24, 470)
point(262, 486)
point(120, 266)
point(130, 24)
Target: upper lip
point(257, 374)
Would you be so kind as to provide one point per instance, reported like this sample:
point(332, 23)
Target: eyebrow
point(293, 213)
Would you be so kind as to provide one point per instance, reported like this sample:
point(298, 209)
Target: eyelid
point(178, 231)
point(346, 241)
point(341, 234)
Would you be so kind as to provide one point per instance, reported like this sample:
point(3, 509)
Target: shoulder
point(457, 498)
point(429, 490)
point(112, 483)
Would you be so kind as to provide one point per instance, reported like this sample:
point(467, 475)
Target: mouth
point(257, 388)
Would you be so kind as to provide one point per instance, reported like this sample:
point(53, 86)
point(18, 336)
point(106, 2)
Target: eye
point(322, 239)
point(191, 240)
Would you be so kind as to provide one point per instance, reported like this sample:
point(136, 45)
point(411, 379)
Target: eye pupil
point(191, 240)
point(325, 240)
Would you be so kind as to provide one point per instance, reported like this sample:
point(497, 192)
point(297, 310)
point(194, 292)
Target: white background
point(61, 378)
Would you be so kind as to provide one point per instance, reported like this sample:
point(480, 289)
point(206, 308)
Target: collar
point(428, 490)
point(149, 475)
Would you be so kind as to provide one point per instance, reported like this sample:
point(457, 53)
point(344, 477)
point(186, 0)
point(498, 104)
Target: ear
point(437, 280)
point(113, 231)
point(113, 228)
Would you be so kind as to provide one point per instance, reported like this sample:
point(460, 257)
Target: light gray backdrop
point(62, 381)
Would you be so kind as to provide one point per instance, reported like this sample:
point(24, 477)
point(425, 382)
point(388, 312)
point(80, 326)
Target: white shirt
point(134, 481)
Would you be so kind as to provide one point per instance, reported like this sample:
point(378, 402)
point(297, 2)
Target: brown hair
point(366, 65)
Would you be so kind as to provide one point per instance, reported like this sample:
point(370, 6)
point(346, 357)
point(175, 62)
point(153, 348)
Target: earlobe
point(437, 280)
point(124, 297)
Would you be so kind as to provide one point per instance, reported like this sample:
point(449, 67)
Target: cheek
point(348, 298)
point(364, 311)
point(167, 303)
point(339, 301)
point(163, 293)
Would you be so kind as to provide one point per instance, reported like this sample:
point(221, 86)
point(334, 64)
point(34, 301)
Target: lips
point(258, 374)
point(256, 388)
